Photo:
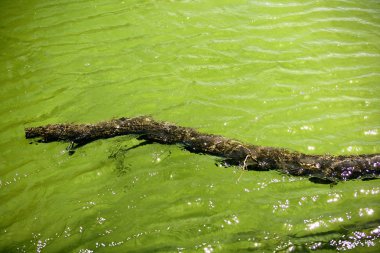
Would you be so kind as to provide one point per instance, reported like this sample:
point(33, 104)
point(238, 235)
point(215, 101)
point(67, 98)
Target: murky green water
point(298, 74)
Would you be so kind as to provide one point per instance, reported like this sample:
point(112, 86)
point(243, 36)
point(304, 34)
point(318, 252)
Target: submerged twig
point(327, 167)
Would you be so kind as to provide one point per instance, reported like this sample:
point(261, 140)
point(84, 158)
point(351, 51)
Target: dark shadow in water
point(123, 150)
point(118, 155)
point(73, 147)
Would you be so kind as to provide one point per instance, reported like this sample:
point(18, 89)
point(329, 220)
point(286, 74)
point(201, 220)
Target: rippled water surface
point(304, 75)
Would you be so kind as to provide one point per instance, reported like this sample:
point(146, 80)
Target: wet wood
point(326, 168)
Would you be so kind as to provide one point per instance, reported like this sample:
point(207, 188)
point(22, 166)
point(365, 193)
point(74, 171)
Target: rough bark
point(323, 167)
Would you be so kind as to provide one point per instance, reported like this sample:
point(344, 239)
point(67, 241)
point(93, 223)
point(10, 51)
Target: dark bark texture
point(323, 167)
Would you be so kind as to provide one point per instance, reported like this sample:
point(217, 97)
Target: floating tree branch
point(324, 167)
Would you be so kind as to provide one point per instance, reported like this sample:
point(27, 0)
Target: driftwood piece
point(323, 167)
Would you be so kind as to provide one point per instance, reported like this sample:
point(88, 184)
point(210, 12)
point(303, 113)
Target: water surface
point(297, 74)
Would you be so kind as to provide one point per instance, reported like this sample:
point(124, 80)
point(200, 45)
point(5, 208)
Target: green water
point(304, 75)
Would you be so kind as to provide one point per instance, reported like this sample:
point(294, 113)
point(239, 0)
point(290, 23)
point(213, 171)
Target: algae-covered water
point(304, 75)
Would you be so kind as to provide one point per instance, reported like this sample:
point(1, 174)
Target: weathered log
point(323, 167)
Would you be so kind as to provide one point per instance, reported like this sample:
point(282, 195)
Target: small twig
point(245, 167)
